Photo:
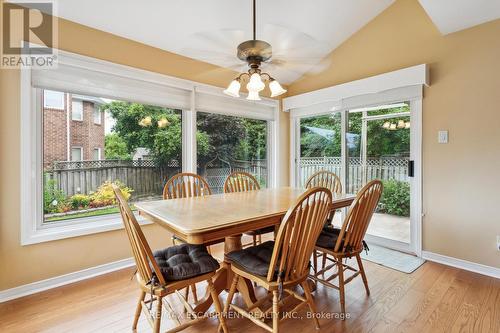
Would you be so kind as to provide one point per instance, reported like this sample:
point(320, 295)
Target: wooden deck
point(435, 298)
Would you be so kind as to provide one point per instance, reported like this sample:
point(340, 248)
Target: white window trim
point(52, 107)
point(98, 153)
point(96, 109)
point(72, 109)
point(81, 153)
point(403, 85)
point(32, 230)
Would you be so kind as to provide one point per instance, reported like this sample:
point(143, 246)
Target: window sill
point(78, 227)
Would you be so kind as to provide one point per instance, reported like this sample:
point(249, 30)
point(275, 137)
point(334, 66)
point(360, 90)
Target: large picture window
point(226, 144)
point(142, 147)
point(147, 133)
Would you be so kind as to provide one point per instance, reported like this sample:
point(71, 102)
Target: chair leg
point(315, 262)
point(323, 263)
point(232, 290)
point(260, 239)
point(186, 297)
point(195, 294)
point(254, 240)
point(310, 302)
point(157, 319)
point(218, 308)
point(341, 287)
point(276, 312)
point(138, 310)
point(363, 274)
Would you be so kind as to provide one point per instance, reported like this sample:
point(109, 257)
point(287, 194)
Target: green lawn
point(106, 211)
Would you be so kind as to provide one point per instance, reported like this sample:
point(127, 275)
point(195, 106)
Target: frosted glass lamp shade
point(255, 84)
point(253, 96)
point(276, 88)
point(233, 89)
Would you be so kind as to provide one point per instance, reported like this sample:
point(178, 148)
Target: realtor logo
point(29, 34)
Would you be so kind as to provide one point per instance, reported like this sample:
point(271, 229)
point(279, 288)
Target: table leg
point(224, 277)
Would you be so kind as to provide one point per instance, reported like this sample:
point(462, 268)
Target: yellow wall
point(24, 264)
point(461, 182)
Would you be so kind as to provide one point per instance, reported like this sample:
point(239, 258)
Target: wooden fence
point(383, 168)
point(144, 177)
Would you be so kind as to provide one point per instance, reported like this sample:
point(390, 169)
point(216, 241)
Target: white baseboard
point(462, 264)
point(35, 287)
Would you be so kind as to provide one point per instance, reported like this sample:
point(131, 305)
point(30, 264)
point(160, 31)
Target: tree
point(321, 135)
point(164, 143)
point(224, 134)
point(115, 148)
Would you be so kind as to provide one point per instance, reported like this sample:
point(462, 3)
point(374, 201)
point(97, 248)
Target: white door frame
point(415, 245)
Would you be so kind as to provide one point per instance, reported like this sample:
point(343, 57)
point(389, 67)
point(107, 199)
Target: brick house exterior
point(59, 123)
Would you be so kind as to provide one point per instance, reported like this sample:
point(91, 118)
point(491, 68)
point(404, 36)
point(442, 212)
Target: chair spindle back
point(240, 181)
point(298, 233)
point(186, 185)
point(326, 179)
point(143, 256)
point(358, 218)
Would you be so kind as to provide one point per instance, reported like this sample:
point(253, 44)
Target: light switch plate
point(443, 137)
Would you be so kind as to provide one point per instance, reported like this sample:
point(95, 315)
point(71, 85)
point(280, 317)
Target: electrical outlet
point(443, 137)
point(498, 243)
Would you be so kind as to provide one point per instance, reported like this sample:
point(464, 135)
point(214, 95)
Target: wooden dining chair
point(186, 185)
point(332, 182)
point(240, 181)
point(347, 242)
point(282, 265)
point(158, 277)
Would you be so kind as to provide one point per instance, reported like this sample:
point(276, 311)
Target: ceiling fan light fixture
point(276, 88)
point(255, 84)
point(233, 89)
point(253, 96)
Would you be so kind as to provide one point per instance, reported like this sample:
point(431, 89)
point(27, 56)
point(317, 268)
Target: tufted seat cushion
point(254, 259)
point(184, 261)
point(328, 237)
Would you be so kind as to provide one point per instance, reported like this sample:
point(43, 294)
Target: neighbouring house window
point(97, 115)
point(227, 143)
point(53, 99)
point(76, 154)
point(97, 154)
point(76, 110)
point(79, 189)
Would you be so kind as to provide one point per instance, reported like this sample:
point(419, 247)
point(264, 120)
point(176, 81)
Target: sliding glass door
point(320, 146)
point(360, 145)
point(379, 148)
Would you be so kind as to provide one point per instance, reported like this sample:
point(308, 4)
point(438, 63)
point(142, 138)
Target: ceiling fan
point(254, 52)
point(292, 54)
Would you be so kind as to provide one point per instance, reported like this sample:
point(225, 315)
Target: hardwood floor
point(435, 298)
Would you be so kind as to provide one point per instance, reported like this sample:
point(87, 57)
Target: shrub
point(79, 201)
point(395, 198)
point(53, 198)
point(104, 196)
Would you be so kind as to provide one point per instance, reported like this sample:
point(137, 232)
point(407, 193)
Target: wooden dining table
point(223, 218)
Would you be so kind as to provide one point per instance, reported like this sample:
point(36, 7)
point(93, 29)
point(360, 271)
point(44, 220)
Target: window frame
point(123, 83)
point(72, 109)
point(96, 109)
point(98, 153)
point(61, 107)
point(81, 153)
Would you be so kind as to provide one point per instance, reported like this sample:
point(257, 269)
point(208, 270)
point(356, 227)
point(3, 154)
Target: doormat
point(399, 261)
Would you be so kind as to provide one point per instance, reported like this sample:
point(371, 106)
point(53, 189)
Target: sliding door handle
point(411, 168)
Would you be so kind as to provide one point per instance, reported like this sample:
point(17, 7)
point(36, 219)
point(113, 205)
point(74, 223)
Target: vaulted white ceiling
point(301, 32)
point(455, 15)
